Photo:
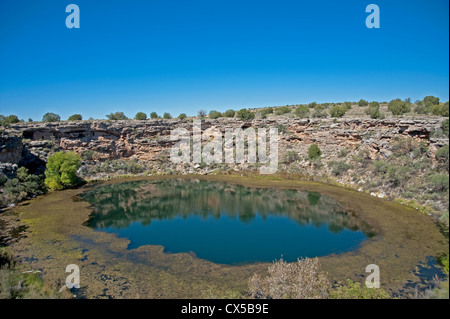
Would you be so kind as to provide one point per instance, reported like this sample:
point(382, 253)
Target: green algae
point(58, 236)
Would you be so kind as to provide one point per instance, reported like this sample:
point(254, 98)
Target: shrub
point(443, 154)
point(167, 116)
point(245, 114)
point(302, 111)
point(439, 182)
point(182, 116)
point(51, 117)
point(338, 168)
point(380, 167)
point(363, 103)
point(421, 108)
point(291, 157)
point(214, 114)
point(348, 105)
point(23, 186)
point(116, 116)
point(75, 117)
point(319, 111)
point(338, 111)
point(373, 110)
point(444, 262)
point(445, 126)
point(353, 290)
point(7, 120)
point(267, 110)
point(314, 152)
point(282, 128)
point(153, 115)
point(61, 170)
point(430, 100)
point(88, 155)
point(141, 116)
point(399, 107)
point(312, 105)
point(229, 113)
point(282, 110)
point(441, 110)
point(300, 280)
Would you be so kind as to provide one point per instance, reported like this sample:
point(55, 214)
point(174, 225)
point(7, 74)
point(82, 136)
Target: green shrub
point(141, 116)
point(348, 105)
point(167, 116)
point(291, 157)
point(116, 116)
point(7, 120)
point(312, 105)
point(445, 126)
point(443, 154)
point(266, 111)
point(302, 111)
point(353, 290)
point(363, 103)
point(439, 182)
point(51, 117)
point(182, 116)
point(88, 155)
point(373, 110)
point(379, 167)
point(153, 115)
point(214, 114)
point(399, 107)
point(314, 152)
point(421, 108)
point(229, 113)
point(431, 100)
point(444, 262)
point(282, 110)
point(245, 114)
point(61, 170)
point(338, 168)
point(319, 111)
point(23, 186)
point(75, 117)
point(338, 111)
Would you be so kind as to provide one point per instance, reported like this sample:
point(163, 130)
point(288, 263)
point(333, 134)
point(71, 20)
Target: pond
point(225, 223)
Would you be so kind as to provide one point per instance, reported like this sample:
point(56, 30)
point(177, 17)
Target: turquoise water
point(225, 223)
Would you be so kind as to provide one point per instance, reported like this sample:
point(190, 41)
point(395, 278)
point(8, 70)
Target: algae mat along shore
point(58, 235)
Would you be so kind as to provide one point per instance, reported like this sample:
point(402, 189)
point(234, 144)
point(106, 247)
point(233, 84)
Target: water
point(225, 223)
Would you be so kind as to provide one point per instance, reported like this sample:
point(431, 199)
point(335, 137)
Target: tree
point(363, 103)
point(373, 110)
point(214, 114)
point(302, 111)
point(141, 116)
point(182, 116)
point(75, 117)
point(201, 113)
point(338, 111)
point(51, 117)
point(245, 114)
point(167, 116)
point(399, 107)
point(61, 170)
point(153, 115)
point(7, 120)
point(229, 113)
point(117, 116)
point(314, 152)
point(430, 100)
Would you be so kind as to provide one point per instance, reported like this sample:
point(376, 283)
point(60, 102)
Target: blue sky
point(183, 56)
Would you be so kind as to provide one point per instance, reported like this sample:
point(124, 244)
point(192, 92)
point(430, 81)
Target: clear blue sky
point(182, 56)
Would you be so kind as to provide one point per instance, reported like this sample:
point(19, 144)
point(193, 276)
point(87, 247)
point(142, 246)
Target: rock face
point(145, 140)
point(11, 148)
